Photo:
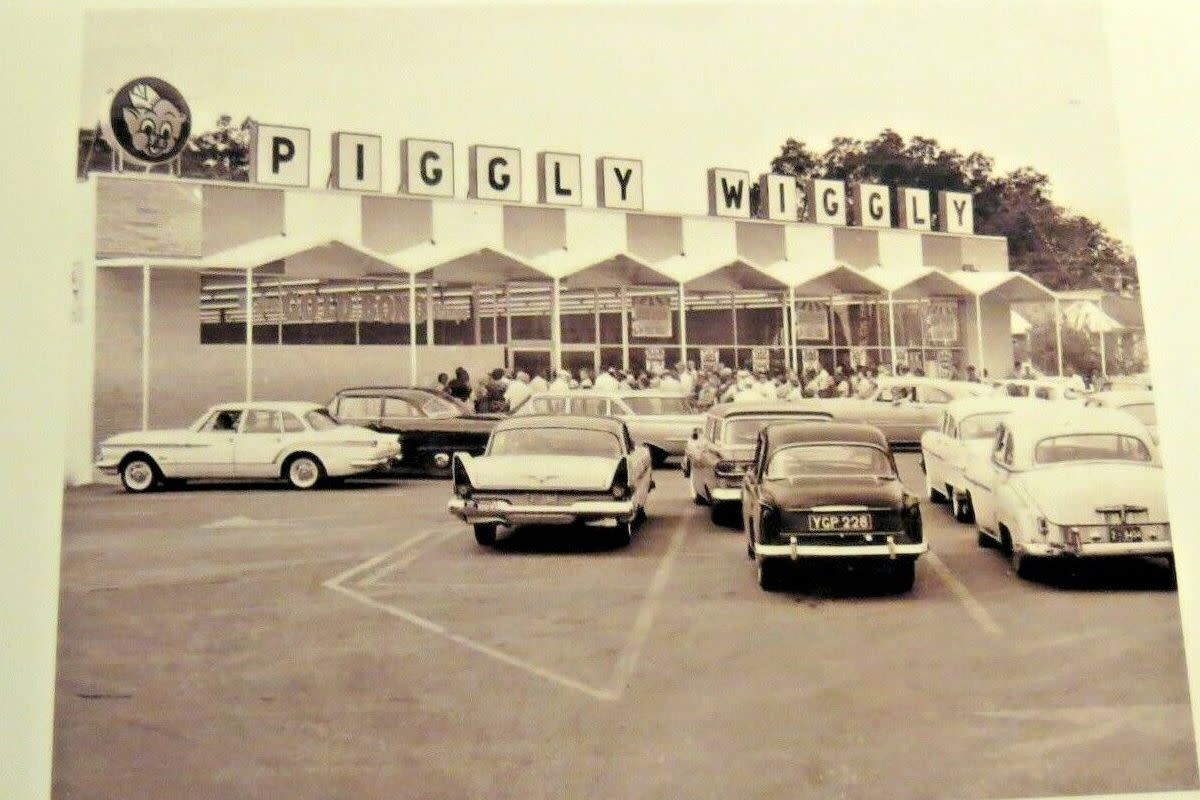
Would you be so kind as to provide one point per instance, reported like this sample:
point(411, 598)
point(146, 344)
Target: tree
point(222, 153)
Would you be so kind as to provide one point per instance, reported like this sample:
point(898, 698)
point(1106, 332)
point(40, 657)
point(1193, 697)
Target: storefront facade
point(348, 287)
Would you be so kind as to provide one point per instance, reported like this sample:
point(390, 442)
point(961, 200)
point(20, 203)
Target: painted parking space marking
point(370, 571)
point(974, 608)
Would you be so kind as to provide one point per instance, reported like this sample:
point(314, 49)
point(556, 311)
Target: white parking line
point(408, 558)
point(974, 608)
point(374, 562)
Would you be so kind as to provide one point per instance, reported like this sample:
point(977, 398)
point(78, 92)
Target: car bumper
point(1100, 549)
point(367, 464)
point(726, 495)
point(591, 512)
point(107, 467)
point(795, 549)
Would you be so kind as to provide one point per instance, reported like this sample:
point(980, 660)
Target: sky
point(682, 87)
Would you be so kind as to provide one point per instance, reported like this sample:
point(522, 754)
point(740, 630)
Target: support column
point(832, 333)
point(624, 301)
point(596, 362)
point(412, 329)
point(145, 346)
point(793, 357)
point(429, 313)
point(979, 331)
point(682, 324)
point(1058, 335)
point(476, 322)
point(508, 326)
point(733, 315)
point(891, 304)
point(555, 328)
point(249, 334)
point(1103, 357)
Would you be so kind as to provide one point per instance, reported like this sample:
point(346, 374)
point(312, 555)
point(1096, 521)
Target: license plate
point(1125, 533)
point(542, 499)
point(839, 522)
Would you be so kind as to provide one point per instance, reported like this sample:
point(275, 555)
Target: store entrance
point(577, 358)
point(532, 358)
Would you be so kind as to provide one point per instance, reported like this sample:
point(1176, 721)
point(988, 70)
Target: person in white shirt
point(539, 383)
point(669, 382)
point(606, 381)
point(765, 387)
point(518, 391)
point(687, 377)
point(1075, 380)
point(819, 385)
point(562, 382)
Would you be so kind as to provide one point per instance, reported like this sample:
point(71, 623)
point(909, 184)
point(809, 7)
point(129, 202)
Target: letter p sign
point(279, 156)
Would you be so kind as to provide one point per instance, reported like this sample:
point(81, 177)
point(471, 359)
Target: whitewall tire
point(304, 472)
point(139, 475)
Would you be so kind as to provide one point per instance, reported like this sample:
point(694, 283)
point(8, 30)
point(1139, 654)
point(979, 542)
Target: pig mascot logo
point(150, 120)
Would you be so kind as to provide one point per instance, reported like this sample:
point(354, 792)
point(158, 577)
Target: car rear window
point(798, 461)
point(657, 405)
point(554, 442)
point(1090, 447)
point(981, 426)
point(744, 430)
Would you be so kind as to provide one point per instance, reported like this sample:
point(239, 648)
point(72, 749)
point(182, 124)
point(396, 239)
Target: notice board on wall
point(148, 218)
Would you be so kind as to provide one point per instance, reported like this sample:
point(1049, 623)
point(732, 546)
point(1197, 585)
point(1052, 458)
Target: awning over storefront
point(825, 281)
point(1088, 317)
point(916, 282)
point(1014, 287)
point(737, 275)
point(483, 266)
point(609, 272)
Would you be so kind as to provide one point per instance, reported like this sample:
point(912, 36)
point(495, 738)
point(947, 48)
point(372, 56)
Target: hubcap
point(304, 472)
point(138, 474)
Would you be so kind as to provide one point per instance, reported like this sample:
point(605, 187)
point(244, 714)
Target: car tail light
point(462, 483)
point(620, 482)
point(1043, 526)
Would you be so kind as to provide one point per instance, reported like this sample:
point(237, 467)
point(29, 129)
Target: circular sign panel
point(150, 121)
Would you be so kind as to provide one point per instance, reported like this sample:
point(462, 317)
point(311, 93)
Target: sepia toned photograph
point(611, 400)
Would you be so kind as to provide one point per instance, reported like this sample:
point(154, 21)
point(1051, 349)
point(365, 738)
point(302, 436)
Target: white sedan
point(553, 470)
point(966, 433)
point(296, 442)
point(1069, 482)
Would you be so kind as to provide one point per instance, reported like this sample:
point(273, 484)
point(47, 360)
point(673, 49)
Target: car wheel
point(304, 471)
point(485, 533)
point(983, 540)
point(623, 534)
point(933, 494)
point(1025, 566)
point(720, 514)
point(960, 505)
point(770, 574)
point(657, 457)
point(903, 575)
point(139, 474)
point(686, 468)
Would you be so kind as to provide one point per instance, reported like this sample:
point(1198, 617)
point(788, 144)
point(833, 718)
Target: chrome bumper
point(371, 463)
point(1102, 549)
point(107, 467)
point(723, 495)
point(796, 550)
point(586, 511)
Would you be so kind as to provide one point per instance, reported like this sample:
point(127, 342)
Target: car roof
point(576, 421)
point(295, 406)
point(1033, 423)
point(1123, 397)
point(395, 391)
point(987, 404)
point(807, 433)
point(798, 407)
point(610, 394)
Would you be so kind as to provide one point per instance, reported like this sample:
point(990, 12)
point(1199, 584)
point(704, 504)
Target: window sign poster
point(651, 317)
point(941, 322)
point(915, 358)
point(709, 358)
point(810, 357)
point(656, 359)
point(761, 359)
point(812, 321)
point(858, 357)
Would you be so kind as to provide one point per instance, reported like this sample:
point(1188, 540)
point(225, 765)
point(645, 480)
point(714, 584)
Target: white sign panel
point(914, 209)
point(650, 317)
point(728, 192)
point(872, 205)
point(827, 201)
point(560, 182)
point(279, 156)
point(956, 212)
point(777, 197)
point(357, 161)
point(619, 183)
point(496, 173)
point(427, 167)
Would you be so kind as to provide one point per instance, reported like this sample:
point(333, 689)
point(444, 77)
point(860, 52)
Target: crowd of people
point(504, 390)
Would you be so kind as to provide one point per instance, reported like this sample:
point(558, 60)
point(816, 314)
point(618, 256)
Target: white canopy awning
point(1015, 287)
point(916, 282)
point(1086, 316)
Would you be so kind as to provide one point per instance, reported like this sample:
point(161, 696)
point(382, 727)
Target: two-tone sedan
point(722, 448)
point(553, 470)
point(296, 442)
point(661, 420)
point(1067, 481)
point(431, 425)
point(966, 433)
point(904, 407)
point(829, 492)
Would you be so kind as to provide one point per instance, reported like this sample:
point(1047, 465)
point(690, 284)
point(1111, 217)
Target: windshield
point(320, 420)
point(437, 408)
point(555, 442)
point(829, 459)
point(1144, 412)
point(744, 430)
point(1090, 447)
point(657, 405)
point(981, 426)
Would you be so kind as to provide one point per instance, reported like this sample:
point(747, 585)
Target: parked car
point(431, 425)
point(1038, 388)
point(1070, 482)
point(553, 470)
point(904, 407)
point(1139, 402)
point(661, 420)
point(966, 433)
point(296, 442)
point(822, 492)
point(722, 448)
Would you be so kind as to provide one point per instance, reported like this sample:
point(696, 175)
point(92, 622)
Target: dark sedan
point(432, 426)
point(829, 492)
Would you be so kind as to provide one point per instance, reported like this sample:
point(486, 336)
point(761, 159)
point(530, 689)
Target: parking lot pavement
point(247, 642)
